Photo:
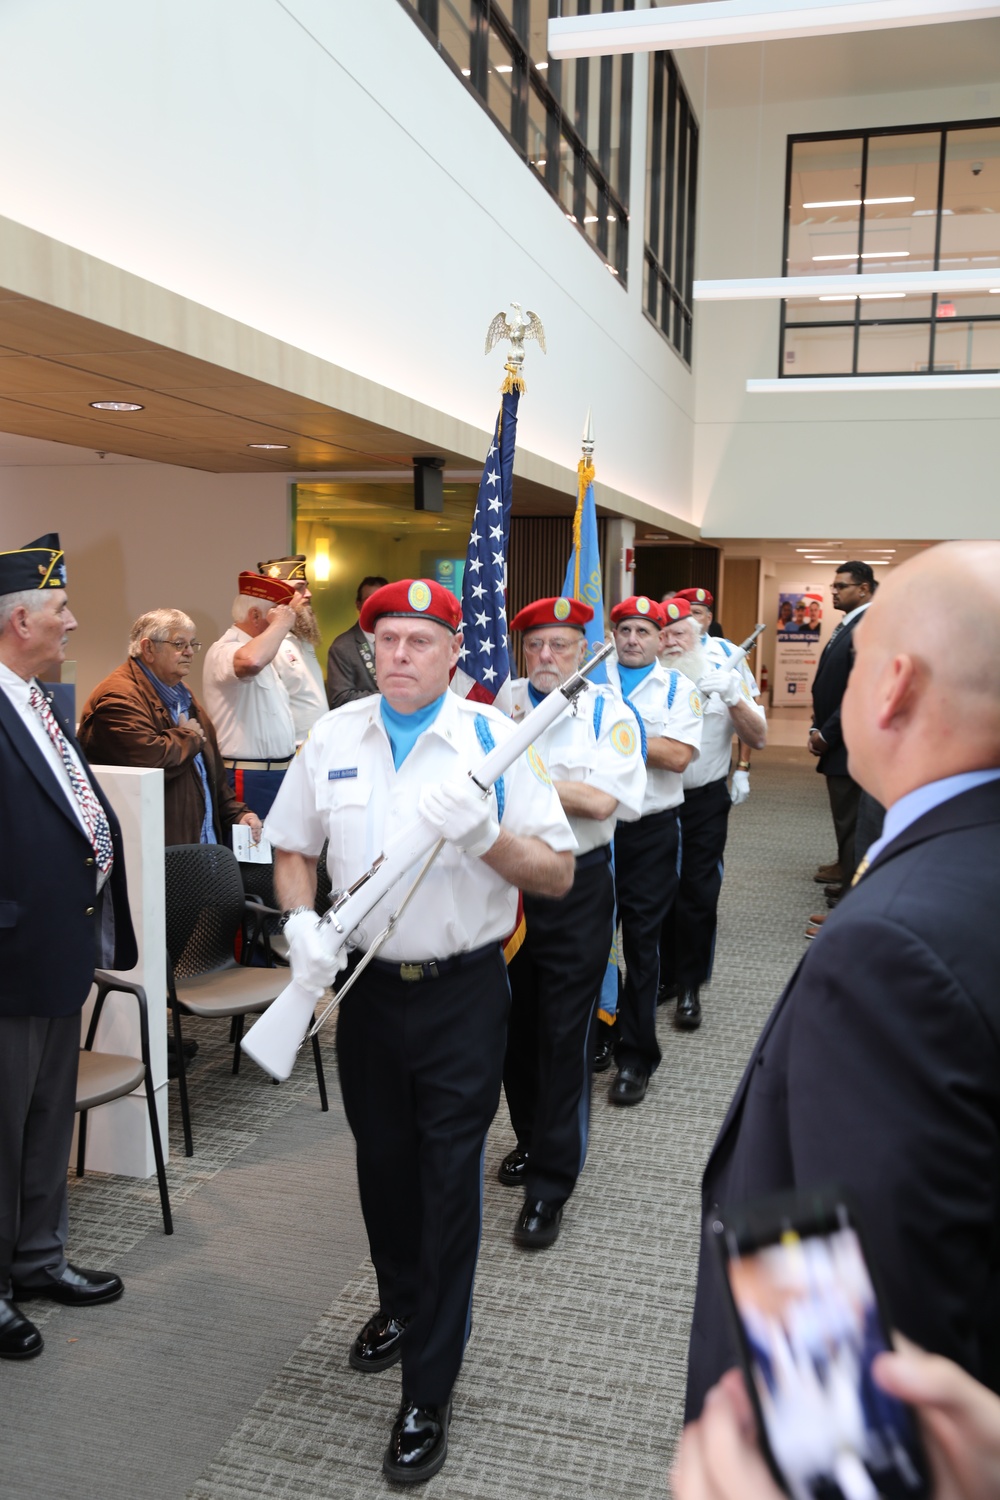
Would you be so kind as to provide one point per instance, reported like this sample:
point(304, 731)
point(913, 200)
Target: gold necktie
point(862, 867)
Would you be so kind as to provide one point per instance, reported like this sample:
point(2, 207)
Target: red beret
point(638, 607)
point(552, 612)
point(274, 590)
point(676, 609)
point(414, 598)
point(696, 596)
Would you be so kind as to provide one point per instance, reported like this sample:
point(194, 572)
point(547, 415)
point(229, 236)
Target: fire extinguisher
point(764, 683)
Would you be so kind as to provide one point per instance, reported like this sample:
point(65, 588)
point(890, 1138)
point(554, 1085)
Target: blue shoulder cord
point(484, 735)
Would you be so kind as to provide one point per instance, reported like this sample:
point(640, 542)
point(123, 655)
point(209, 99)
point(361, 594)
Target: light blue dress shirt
point(913, 806)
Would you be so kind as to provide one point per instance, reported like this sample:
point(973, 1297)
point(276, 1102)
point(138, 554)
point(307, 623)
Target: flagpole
point(585, 477)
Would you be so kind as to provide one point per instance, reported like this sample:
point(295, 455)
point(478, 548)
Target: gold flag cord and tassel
point(584, 478)
point(513, 381)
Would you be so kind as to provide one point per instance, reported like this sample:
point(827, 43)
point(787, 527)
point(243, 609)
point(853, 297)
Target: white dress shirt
point(717, 728)
point(252, 715)
point(302, 677)
point(670, 708)
point(610, 761)
point(343, 788)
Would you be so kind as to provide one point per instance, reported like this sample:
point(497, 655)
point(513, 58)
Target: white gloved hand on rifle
point(727, 684)
point(314, 964)
point(458, 812)
point(739, 791)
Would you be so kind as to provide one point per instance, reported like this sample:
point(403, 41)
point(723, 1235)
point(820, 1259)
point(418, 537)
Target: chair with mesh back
point(260, 890)
point(104, 1076)
point(207, 911)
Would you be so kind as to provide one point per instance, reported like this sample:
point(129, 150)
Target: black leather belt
point(594, 857)
point(258, 765)
point(433, 968)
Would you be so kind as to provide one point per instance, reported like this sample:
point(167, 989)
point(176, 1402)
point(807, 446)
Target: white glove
point(314, 964)
point(458, 812)
point(740, 789)
point(728, 685)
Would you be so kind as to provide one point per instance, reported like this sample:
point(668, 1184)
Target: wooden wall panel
point(738, 606)
point(536, 564)
point(658, 569)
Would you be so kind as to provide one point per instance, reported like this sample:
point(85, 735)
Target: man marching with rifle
point(420, 1039)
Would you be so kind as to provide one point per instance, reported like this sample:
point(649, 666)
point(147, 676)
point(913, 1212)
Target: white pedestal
point(118, 1136)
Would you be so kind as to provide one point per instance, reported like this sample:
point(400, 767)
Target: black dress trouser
point(555, 979)
point(420, 1065)
point(687, 944)
point(646, 883)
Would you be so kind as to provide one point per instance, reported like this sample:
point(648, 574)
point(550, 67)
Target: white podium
point(118, 1137)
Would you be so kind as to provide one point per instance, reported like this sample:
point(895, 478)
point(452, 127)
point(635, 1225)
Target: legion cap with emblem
point(289, 569)
point(40, 564)
point(696, 596)
point(638, 607)
point(559, 611)
point(274, 590)
point(412, 598)
point(676, 609)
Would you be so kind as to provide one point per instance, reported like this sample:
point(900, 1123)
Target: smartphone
point(809, 1321)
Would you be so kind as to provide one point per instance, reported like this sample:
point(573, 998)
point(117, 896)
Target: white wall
point(140, 536)
point(908, 465)
point(313, 169)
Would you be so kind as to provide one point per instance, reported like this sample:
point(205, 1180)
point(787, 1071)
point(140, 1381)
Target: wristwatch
point(292, 912)
point(743, 765)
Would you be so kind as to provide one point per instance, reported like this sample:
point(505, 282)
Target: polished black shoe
point(834, 890)
point(666, 992)
point(537, 1225)
point(687, 1016)
point(379, 1344)
point(513, 1167)
point(630, 1086)
point(418, 1444)
point(603, 1054)
point(75, 1287)
point(19, 1339)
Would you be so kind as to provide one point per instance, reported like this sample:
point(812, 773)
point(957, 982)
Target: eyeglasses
point(558, 647)
point(194, 646)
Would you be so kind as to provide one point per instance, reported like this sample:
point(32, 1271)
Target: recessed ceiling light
point(117, 406)
point(268, 447)
point(867, 255)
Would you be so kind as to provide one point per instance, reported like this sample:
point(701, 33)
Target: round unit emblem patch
point(561, 609)
point(673, 612)
point(700, 596)
point(642, 605)
point(418, 595)
point(695, 703)
point(623, 737)
point(538, 767)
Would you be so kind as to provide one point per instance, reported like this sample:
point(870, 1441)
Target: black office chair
point(104, 1076)
point(258, 883)
point(207, 913)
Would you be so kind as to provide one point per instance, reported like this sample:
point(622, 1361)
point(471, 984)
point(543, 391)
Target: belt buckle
point(411, 971)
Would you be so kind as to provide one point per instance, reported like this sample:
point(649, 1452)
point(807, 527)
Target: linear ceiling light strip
point(756, 288)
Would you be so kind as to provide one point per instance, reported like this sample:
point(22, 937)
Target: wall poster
point(797, 647)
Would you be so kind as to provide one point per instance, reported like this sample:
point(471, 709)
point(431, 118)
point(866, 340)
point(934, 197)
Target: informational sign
point(449, 572)
point(797, 648)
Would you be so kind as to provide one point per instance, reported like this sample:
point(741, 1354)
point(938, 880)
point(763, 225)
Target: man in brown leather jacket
point(143, 714)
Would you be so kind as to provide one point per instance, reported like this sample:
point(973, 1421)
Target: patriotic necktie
point(94, 817)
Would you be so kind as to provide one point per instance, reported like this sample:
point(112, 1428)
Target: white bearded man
point(729, 696)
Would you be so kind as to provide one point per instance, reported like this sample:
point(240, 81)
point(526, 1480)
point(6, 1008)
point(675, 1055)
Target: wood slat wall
point(536, 562)
point(658, 569)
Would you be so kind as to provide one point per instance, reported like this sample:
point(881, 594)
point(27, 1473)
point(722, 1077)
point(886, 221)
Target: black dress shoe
point(603, 1052)
point(631, 1084)
point(666, 992)
point(513, 1167)
point(19, 1339)
point(687, 1016)
point(834, 890)
point(379, 1344)
point(537, 1225)
point(75, 1287)
point(418, 1444)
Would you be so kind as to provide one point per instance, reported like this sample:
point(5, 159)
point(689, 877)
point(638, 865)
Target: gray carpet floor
point(222, 1373)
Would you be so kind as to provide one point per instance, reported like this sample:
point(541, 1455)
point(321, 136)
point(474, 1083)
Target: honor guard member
point(669, 709)
point(687, 943)
point(594, 756)
point(420, 1038)
point(296, 662)
point(63, 910)
point(245, 697)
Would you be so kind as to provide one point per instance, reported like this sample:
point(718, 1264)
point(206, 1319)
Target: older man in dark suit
point(350, 662)
point(63, 911)
point(853, 589)
point(879, 1068)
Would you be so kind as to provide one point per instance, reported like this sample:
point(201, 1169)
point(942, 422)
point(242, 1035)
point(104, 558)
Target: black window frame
point(866, 134)
point(559, 126)
point(668, 300)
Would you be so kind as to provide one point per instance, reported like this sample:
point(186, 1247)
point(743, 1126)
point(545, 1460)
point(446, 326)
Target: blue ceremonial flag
point(583, 572)
point(483, 672)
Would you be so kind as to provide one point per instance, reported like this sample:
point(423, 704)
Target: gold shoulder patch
point(623, 738)
point(695, 703)
point(538, 767)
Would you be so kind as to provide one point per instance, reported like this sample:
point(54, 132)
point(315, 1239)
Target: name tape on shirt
point(343, 773)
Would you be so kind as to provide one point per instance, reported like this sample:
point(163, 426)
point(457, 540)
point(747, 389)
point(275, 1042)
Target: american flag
point(483, 672)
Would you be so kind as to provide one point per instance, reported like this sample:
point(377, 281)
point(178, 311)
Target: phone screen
point(811, 1327)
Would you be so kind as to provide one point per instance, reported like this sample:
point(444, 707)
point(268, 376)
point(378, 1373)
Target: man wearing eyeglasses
point(144, 714)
